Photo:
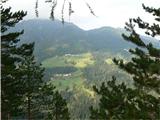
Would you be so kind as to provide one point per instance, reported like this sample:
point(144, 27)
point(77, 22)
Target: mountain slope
point(53, 38)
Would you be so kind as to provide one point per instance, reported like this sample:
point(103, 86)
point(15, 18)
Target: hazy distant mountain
point(54, 38)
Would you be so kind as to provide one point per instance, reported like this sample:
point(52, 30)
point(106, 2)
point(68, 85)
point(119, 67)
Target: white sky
point(110, 12)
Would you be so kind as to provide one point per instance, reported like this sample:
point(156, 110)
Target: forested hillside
point(52, 38)
point(57, 71)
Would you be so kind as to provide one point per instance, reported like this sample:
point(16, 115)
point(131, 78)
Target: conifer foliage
point(22, 84)
point(32, 74)
point(145, 66)
point(11, 55)
point(120, 102)
point(53, 106)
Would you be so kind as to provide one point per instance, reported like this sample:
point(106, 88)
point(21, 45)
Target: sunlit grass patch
point(78, 60)
point(82, 60)
point(109, 61)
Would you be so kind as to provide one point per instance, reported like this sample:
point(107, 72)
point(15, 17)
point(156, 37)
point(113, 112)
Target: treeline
point(26, 95)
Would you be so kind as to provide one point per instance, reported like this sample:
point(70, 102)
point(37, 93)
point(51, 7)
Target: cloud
point(110, 12)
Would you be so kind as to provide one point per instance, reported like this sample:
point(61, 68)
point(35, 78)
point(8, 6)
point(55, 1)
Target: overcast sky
point(109, 12)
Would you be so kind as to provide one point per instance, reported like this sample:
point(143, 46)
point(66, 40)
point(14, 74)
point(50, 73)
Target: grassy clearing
point(75, 79)
point(62, 84)
point(79, 61)
point(54, 62)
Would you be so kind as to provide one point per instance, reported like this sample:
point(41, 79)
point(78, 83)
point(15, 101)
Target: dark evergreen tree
point(145, 66)
point(120, 102)
point(32, 74)
point(53, 106)
point(11, 55)
point(21, 81)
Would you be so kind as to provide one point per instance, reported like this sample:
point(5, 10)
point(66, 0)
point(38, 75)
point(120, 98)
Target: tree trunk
point(29, 108)
point(8, 116)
